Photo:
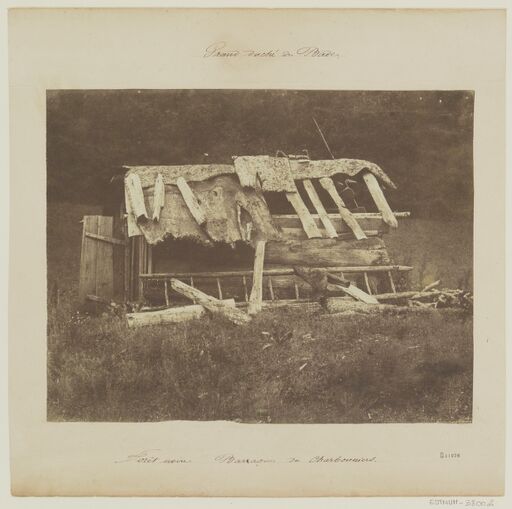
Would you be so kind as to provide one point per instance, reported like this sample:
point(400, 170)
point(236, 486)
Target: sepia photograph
point(259, 255)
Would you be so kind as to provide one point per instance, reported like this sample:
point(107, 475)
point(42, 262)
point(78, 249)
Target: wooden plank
point(158, 197)
point(170, 315)
point(191, 201)
point(88, 258)
point(135, 196)
point(354, 292)
point(212, 304)
point(105, 259)
point(346, 215)
point(257, 279)
point(328, 252)
point(127, 250)
point(104, 238)
point(308, 223)
point(379, 199)
point(276, 271)
point(317, 203)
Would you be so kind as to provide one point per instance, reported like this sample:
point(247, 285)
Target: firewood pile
point(433, 297)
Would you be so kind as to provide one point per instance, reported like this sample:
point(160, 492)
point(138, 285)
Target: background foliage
point(422, 139)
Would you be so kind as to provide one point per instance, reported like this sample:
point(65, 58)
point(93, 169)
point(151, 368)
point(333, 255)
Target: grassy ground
point(378, 368)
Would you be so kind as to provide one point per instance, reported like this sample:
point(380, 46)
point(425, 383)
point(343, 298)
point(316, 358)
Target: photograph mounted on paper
point(260, 256)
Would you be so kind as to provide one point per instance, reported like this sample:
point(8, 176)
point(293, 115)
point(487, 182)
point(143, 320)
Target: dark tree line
point(423, 140)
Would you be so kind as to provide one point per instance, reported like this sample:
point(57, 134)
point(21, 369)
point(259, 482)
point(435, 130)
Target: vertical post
point(166, 289)
point(257, 279)
point(244, 282)
point(219, 289)
point(391, 282)
point(367, 282)
point(270, 288)
point(297, 296)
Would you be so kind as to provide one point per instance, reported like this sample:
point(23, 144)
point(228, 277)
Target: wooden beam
point(158, 197)
point(308, 223)
point(317, 203)
point(191, 201)
point(281, 271)
point(215, 306)
point(346, 215)
point(379, 199)
point(257, 279)
point(170, 315)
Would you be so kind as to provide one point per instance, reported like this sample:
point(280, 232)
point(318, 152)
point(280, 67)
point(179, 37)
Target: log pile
point(433, 297)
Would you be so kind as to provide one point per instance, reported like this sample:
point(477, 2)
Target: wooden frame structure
point(344, 243)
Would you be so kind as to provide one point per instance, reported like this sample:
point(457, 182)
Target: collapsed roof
point(223, 202)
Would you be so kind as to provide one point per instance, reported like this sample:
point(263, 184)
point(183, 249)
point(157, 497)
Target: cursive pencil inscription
point(151, 456)
point(222, 50)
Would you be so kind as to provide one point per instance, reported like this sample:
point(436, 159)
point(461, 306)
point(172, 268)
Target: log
point(191, 201)
point(212, 304)
point(379, 199)
point(170, 315)
point(257, 279)
point(308, 223)
point(319, 207)
point(158, 197)
point(328, 252)
point(346, 215)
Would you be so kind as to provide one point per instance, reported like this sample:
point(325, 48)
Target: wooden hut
point(241, 229)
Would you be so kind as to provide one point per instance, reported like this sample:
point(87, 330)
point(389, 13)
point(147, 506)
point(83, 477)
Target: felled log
point(170, 315)
point(212, 304)
point(431, 286)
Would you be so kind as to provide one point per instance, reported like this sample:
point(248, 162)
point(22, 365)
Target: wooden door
point(97, 258)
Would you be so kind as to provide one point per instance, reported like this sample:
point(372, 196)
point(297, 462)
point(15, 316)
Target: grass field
point(282, 367)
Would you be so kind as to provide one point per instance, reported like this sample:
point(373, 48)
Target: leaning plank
point(212, 304)
point(308, 223)
point(354, 292)
point(340, 283)
point(170, 315)
point(191, 201)
point(257, 279)
point(346, 215)
point(379, 199)
point(319, 207)
point(158, 197)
